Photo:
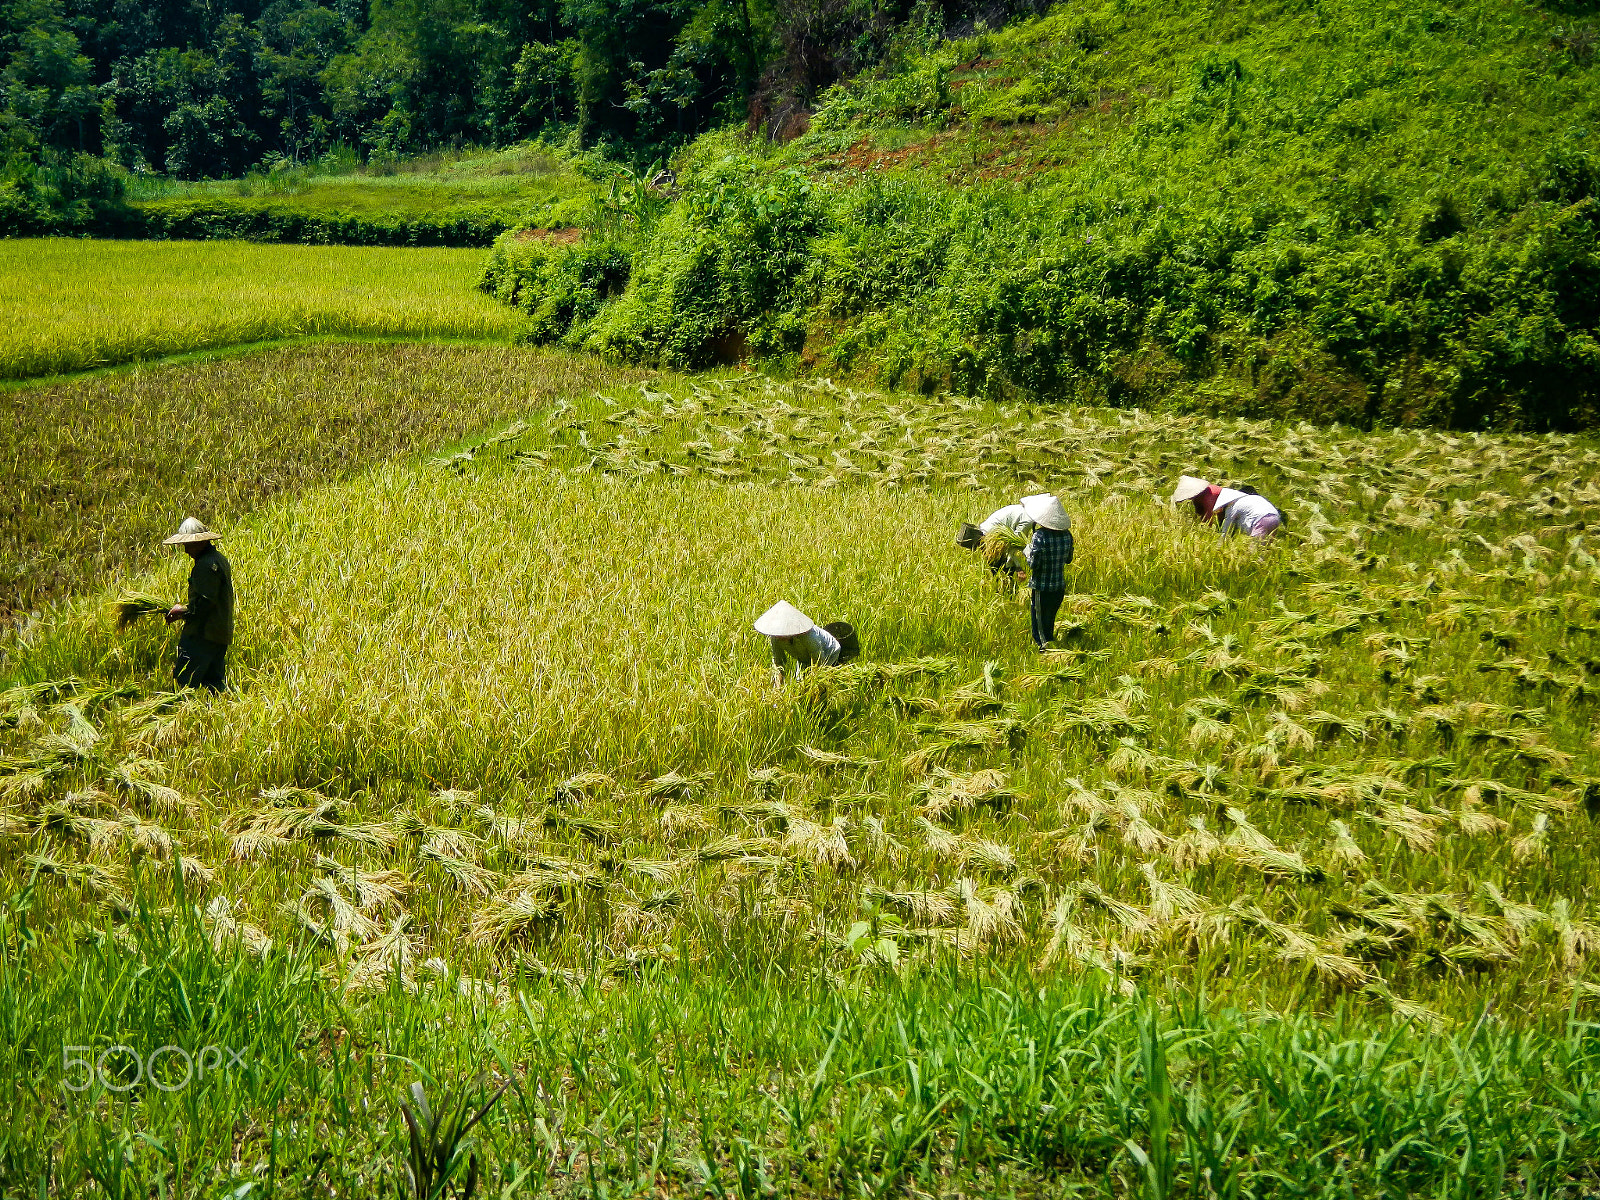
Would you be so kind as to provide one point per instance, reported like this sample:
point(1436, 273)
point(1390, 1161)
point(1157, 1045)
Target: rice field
point(69, 304)
point(1275, 877)
point(95, 468)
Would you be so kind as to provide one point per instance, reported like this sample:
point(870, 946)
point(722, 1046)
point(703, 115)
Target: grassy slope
point(97, 471)
point(1270, 200)
point(69, 304)
point(1344, 211)
point(1415, 663)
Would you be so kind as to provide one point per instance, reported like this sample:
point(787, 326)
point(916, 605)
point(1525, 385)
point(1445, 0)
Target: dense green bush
point(720, 274)
point(221, 219)
point(57, 193)
point(560, 286)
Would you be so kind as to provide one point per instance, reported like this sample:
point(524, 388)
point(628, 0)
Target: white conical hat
point(191, 531)
point(1044, 509)
point(1189, 486)
point(1226, 497)
point(783, 620)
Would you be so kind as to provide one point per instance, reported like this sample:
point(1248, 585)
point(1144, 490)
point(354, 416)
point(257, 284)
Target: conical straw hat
point(1226, 497)
point(783, 620)
point(191, 531)
point(1044, 509)
point(1189, 486)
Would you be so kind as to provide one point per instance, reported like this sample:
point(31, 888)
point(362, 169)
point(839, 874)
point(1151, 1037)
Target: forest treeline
point(203, 89)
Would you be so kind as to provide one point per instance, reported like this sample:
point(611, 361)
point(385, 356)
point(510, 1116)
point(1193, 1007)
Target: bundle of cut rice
point(133, 605)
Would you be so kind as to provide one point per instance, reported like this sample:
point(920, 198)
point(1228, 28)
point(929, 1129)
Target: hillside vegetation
point(1275, 878)
point(1359, 213)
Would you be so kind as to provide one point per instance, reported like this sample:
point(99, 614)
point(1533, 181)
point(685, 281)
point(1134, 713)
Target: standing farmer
point(1048, 554)
point(207, 616)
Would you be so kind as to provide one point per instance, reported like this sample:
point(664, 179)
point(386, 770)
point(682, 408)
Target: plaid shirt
point(1048, 555)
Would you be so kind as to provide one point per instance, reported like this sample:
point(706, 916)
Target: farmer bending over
point(208, 616)
point(796, 636)
point(1048, 555)
point(999, 532)
point(1234, 510)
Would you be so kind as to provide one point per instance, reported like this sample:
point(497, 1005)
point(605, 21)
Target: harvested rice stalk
point(442, 839)
point(228, 931)
point(879, 840)
point(941, 843)
point(830, 761)
point(1577, 938)
point(1536, 842)
point(919, 908)
point(138, 776)
point(465, 874)
point(591, 829)
point(146, 838)
point(584, 786)
point(993, 858)
point(1170, 902)
point(1473, 821)
point(1417, 829)
point(656, 870)
point(63, 820)
point(389, 955)
point(1520, 919)
point(129, 607)
point(455, 801)
point(373, 890)
point(514, 914)
point(1245, 835)
point(768, 782)
point(962, 793)
point(1196, 847)
point(1406, 1010)
point(1067, 941)
point(990, 914)
point(341, 921)
point(196, 875)
point(675, 786)
point(1344, 849)
point(1129, 917)
point(725, 848)
point(823, 845)
point(90, 876)
point(999, 733)
point(679, 821)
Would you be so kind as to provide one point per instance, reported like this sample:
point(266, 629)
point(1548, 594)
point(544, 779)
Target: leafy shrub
point(224, 219)
point(560, 286)
point(58, 193)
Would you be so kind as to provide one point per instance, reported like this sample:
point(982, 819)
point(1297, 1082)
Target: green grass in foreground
point(504, 788)
point(67, 304)
point(97, 470)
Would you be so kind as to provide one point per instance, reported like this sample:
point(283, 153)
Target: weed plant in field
point(97, 470)
point(503, 733)
point(69, 304)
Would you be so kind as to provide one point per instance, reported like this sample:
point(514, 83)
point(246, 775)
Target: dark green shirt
point(210, 601)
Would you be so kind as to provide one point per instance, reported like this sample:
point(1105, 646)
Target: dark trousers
point(200, 664)
point(1043, 607)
